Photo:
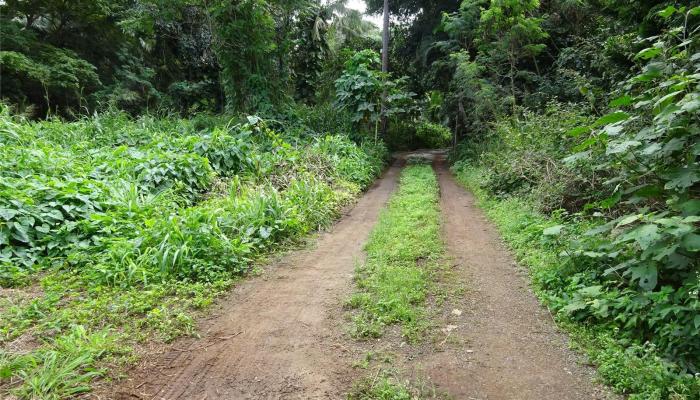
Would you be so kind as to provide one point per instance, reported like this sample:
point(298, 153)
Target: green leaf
point(691, 105)
point(621, 101)
point(665, 99)
point(651, 149)
point(8, 213)
point(621, 147)
point(647, 274)
point(591, 291)
point(584, 155)
point(682, 179)
point(20, 233)
point(691, 242)
point(614, 129)
point(574, 306)
point(667, 12)
point(648, 53)
point(628, 220)
point(644, 235)
point(553, 230)
point(576, 132)
point(611, 118)
point(690, 207)
point(599, 229)
point(617, 267)
point(42, 228)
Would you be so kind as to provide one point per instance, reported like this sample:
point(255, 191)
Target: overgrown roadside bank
point(631, 368)
point(278, 334)
point(115, 233)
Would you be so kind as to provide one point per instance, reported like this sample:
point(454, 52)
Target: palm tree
point(348, 24)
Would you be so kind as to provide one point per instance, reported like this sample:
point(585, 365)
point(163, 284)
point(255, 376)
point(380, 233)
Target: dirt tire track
point(509, 345)
point(279, 336)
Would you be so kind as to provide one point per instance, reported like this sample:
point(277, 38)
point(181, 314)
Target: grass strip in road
point(403, 250)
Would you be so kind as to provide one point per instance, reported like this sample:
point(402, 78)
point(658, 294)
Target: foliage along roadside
point(402, 250)
point(633, 368)
point(621, 192)
point(114, 231)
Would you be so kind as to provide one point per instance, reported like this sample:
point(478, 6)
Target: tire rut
point(510, 347)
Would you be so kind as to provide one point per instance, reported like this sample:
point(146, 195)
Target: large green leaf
point(643, 235)
point(621, 147)
point(682, 179)
point(611, 118)
point(553, 230)
point(646, 274)
point(691, 242)
point(649, 53)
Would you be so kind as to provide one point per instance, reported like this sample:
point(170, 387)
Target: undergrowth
point(630, 367)
point(116, 231)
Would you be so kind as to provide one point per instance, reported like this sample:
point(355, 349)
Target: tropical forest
point(349, 199)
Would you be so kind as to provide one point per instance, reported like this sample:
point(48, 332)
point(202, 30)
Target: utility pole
point(385, 65)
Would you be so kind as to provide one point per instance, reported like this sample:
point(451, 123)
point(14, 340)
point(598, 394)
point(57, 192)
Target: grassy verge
point(402, 250)
point(630, 368)
point(108, 242)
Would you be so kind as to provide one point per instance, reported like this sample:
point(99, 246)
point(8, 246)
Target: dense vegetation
point(142, 221)
point(151, 150)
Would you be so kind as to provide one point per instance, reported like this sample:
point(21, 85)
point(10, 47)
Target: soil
point(283, 335)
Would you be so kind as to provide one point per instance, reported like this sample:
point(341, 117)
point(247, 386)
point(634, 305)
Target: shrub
point(39, 216)
point(227, 154)
point(628, 182)
point(353, 164)
point(433, 136)
point(189, 173)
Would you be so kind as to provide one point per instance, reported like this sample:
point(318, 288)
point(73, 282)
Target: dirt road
point(282, 335)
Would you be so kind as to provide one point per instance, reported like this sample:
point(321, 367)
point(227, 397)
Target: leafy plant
point(189, 173)
point(227, 154)
point(433, 136)
point(39, 216)
point(359, 90)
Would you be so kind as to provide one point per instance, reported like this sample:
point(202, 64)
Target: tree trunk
point(385, 65)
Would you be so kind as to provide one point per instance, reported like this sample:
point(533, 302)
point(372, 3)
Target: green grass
point(403, 250)
point(380, 388)
point(630, 368)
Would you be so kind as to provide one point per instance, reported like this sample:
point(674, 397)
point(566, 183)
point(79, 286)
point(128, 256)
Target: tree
point(509, 29)
point(385, 63)
point(312, 47)
point(362, 88)
point(347, 25)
